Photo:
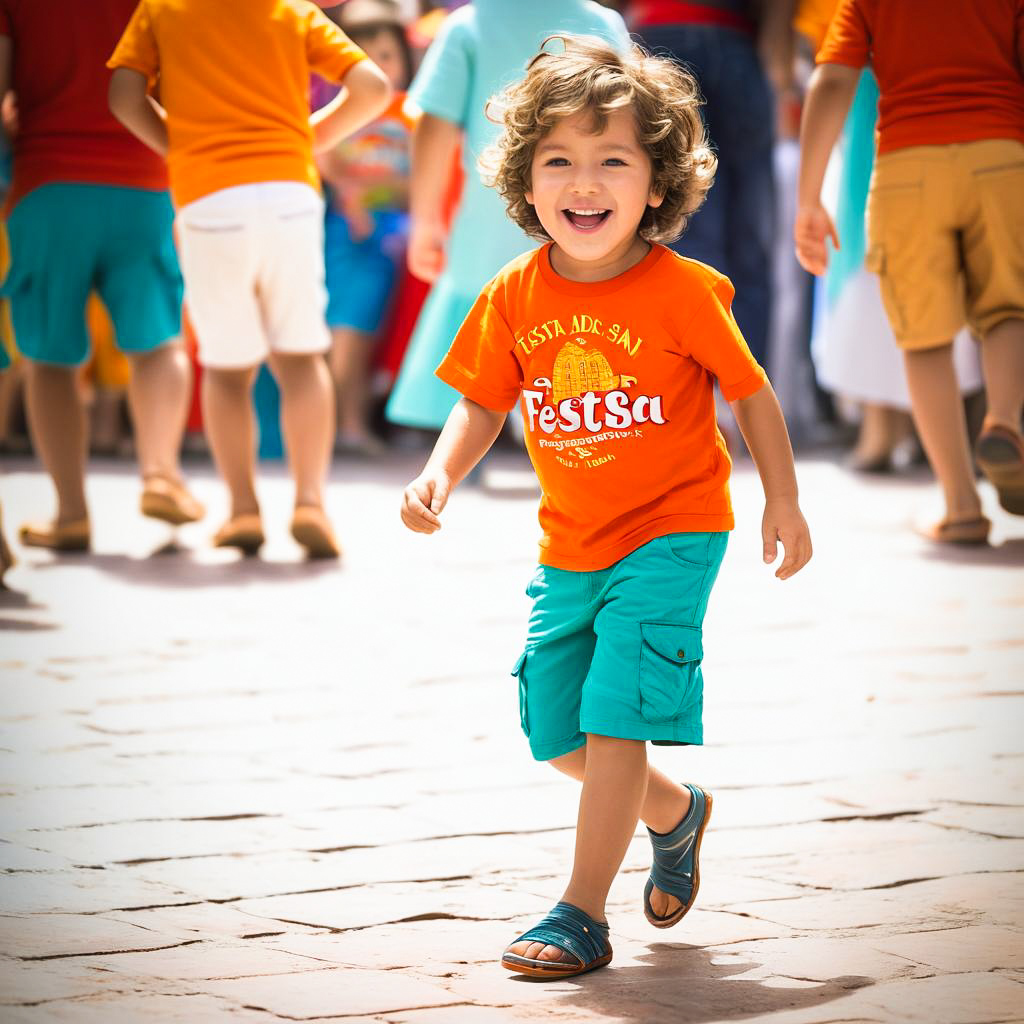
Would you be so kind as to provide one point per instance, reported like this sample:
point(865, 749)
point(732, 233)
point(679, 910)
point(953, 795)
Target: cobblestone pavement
point(250, 790)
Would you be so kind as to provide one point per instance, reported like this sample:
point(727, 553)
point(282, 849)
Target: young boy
point(945, 217)
point(612, 343)
point(234, 122)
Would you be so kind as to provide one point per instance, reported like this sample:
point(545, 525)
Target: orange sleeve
point(331, 54)
point(714, 340)
point(849, 37)
point(137, 48)
point(481, 363)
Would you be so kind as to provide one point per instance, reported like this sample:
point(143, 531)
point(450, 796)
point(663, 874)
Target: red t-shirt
point(66, 132)
point(947, 72)
point(616, 383)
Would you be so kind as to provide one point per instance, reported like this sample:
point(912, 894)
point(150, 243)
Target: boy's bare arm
point(828, 102)
point(130, 102)
point(365, 94)
point(434, 142)
point(761, 422)
point(467, 435)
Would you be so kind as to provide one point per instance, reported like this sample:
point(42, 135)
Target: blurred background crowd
point(411, 234)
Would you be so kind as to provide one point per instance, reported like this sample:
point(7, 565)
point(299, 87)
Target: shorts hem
point(674, 732)
point(556, 748)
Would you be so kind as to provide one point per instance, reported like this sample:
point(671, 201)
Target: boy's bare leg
point(158, 395)
point(1002, 362)
point(939, 416)
point(350, 368)
point(228, 417)
point(307, 421)
point(57, 423)
point(614, 786)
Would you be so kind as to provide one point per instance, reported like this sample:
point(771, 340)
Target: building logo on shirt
point(583, 394)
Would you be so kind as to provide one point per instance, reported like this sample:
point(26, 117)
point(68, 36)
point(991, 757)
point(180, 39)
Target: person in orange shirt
point(612, 344)
point(945, 218)
point(233, 120)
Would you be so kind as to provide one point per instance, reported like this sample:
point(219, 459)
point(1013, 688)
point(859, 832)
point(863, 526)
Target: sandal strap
point(573, 930)
point(672, 870)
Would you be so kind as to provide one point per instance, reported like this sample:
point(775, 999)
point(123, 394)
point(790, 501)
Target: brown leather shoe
point(244, 532)
point(312, 529)
point(169, 500)
point(72, 536)
point(1000, 455)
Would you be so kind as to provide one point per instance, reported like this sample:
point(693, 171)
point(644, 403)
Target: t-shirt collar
point(611, 284)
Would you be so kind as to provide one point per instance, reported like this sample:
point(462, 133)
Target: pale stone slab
point(59, 935)
point(981, 948)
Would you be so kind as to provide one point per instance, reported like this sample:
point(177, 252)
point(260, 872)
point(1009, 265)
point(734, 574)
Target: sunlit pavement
point(263, 789)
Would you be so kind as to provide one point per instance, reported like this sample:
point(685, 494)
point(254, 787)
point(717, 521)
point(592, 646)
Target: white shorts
point(252, 257)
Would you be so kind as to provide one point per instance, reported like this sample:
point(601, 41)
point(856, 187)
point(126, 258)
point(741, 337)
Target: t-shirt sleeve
point(443, 83)
point(137, 48)
point(848, 40)
point(330, 53)
point(714, 340)
point(481, 363)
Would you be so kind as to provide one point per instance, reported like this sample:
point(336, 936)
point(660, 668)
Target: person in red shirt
point(612, 344)
point(88, 209)
point(945, 217)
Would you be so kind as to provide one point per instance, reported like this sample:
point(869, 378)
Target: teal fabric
point(858, 160)
point(479, 50)
point(573, 930)
point(675, 854)
point(617, 652)
point(68, 240)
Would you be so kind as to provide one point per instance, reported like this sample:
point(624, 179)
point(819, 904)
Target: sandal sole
point(315, 540)
point(1000, 461)
point(681, 912)
point(159, 506)
point(532, 968)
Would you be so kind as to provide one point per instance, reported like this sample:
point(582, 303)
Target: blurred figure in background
point(479, 49)
point(88, 208)
point(738, 50)
point(366, 225)
point(240, 144)
point(945, 217)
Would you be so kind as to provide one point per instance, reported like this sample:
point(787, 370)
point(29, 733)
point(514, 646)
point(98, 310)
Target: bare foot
point(662, 904)
point(538, 951)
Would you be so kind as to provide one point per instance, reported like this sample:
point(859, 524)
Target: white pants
point(252, 257)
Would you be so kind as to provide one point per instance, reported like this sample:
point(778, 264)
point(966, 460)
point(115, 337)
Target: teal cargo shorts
point(69, 240)
point(617, 652)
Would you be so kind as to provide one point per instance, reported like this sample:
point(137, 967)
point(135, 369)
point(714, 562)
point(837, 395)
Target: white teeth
point(586, 213)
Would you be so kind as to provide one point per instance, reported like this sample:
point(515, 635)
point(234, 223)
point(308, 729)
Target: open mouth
point(586, 219)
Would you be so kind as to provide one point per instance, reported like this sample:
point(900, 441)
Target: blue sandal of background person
point(571, 930)
point(676, 868)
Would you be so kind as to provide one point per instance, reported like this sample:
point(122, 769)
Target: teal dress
point(480, 49)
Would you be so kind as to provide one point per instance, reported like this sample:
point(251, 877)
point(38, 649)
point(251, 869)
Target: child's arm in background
point(434, 141)
point(761, 422)
point(130, 102)
point(365, 94)
point(828, 102)
point(468, 433)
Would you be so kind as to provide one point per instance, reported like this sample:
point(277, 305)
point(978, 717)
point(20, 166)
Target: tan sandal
point(312, 529)
point(960, 531)
point(1000, 455)
point(169, 500)
point(73, 536)
point(244, 532)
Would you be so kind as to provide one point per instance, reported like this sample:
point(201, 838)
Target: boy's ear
point(528, 196)
point(655, 199)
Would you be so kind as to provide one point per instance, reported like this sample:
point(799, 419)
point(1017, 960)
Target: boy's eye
point(614, 161)
point(556, 161)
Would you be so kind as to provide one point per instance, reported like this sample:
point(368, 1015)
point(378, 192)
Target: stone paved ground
point(259, 790)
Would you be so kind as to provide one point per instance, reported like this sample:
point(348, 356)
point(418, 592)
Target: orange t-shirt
point(616, 383)
point(233, 76)
point(947, 72)
point(66, 132)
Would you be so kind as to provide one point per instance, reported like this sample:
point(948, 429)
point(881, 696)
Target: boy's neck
point(602, 269)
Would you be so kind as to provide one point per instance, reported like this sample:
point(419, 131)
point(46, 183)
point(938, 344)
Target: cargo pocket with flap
point(520, 673)
point(670, 678)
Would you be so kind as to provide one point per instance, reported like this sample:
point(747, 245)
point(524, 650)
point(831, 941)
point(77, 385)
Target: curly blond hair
point(590, 75)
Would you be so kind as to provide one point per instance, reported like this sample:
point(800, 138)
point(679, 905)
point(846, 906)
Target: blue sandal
point(570, 929)
point(676, 868)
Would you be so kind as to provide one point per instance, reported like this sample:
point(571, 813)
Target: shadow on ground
point(682, 985)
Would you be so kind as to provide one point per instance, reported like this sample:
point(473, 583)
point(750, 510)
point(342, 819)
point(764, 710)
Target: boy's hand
point(425, 254)
point(783, 521)
point(812, 227)
point(424, 500)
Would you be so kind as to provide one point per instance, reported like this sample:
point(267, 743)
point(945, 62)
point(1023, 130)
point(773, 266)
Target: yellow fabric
point(812, 17)
point(6, 327)
point(109, 368)
point(233, 76)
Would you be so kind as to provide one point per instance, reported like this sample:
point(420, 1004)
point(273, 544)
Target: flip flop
point(72, 536)
point(169, 500)
point(1000, 455)
point(571, 930)
point(244, 532)
point(959, 531)
point(312, 529)
point(676, 868)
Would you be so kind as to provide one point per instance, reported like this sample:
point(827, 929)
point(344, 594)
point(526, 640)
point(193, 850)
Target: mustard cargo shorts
point(617, 652)
point(946, 237)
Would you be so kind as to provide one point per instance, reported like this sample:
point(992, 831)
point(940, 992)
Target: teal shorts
point(617, 652)
point(69, 240)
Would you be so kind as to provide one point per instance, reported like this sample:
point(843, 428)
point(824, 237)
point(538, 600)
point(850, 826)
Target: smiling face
point(590, 192)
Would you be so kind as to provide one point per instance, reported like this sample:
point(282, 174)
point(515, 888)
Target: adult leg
point(939, 417)
point(1002, 364)
point(350, 370)
point(227, 414)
